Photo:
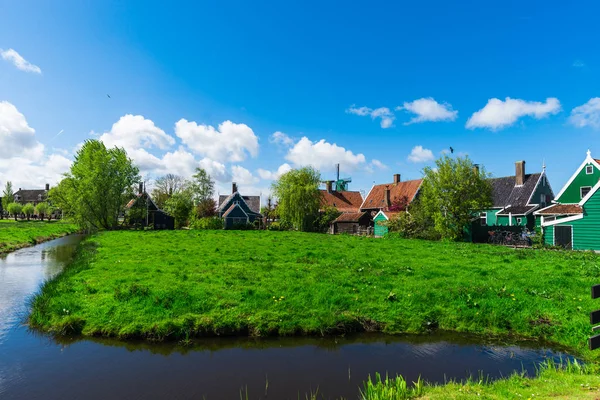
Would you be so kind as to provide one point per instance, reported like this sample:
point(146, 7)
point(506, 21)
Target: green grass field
point(181, 284)
point(15, 235)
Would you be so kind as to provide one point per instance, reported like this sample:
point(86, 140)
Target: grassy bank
point(15, 235)
point(170, 285)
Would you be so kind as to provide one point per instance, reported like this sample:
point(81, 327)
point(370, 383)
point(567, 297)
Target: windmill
point(341, 184)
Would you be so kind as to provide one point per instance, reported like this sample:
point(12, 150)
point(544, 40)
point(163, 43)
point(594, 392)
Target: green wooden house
point(380, 222)
point(515, 198)
point(237, 210)
point(573, 221)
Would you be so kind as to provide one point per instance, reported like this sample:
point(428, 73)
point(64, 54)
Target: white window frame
point(519, 220)
point(589, 169)
point(543, 198)
point(483, 218)
point(581, 191)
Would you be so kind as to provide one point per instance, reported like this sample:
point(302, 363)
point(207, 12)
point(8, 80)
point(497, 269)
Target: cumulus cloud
point(420, 155)
point(587, 114)
point(17, 138)
point(323, 155)
point(281, 138)
point(272, 175)
point(379, 164)
point(427, 109)
point(135, 131)
point(229, 142)
point(383, 113)
point(18, 61)
point(242, 175)
point(498, 114)
point(215, 169)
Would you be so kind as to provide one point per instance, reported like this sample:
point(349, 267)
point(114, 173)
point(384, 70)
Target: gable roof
point(344, 201)
point(233, 207)
point(506, 193)
point(561, 209)
point(376, 197)
point(31, 195)
point(388, 214)
point(588, 160)
point(140, 196)
point(253, 202)
point(350, 217)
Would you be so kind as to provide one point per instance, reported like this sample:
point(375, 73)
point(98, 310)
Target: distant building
point(33, 196)
point(142, 211)
point(236, 209)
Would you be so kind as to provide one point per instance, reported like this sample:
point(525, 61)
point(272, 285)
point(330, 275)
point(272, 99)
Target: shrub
point(15, 209)
point(207, 223)
point(42, 210)
point(28, 210)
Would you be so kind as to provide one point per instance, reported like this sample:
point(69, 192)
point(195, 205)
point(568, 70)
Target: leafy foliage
point(7, 195)
point(451, 192)
point(413, 224)
point(180, 206)
point(14, 209)
point(42, 209)
point(325, 218)
point(28, 210)
point(165, 187)
point(206, 208)
point(207, 223)
point(98, 186)
point(298, 197)
point(202, 185)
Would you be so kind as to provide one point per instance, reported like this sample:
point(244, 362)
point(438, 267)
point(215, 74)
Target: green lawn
point(15, 235)
point(180, 284)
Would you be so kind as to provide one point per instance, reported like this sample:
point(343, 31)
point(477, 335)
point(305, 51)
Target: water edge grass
point(15, 235)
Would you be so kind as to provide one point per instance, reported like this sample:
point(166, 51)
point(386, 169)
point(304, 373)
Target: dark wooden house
point(142, 211)
point(353, 223)
point(33, 196)
point(236, 209)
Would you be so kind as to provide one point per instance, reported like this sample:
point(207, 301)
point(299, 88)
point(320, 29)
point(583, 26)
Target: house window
point(543, 200)
point(584, 190)
point(483, 218)
point(589, 169)
point(519, 220)
point(544, 180)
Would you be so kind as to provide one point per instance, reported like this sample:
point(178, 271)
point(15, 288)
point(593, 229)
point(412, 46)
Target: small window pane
point(585, 190)
point(589, 170)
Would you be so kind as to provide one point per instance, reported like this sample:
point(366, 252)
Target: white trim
point(240, 207)
point(563, 220)
point(381, 212)
point(363, 203)
point(588, 160)
point(590, 194)
point(586, 170)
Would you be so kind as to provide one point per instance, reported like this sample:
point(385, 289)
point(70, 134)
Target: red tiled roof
point(398, 191)
point(350, 217)
point(345, 202)
point(562, 209)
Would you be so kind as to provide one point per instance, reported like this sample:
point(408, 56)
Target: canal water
point(36, 366)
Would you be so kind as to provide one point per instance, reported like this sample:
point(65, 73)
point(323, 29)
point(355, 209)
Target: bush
point(14, 209)
point(413, 224)
point(207, 223)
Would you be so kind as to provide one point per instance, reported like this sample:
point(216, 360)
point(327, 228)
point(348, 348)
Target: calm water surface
point(34, 366)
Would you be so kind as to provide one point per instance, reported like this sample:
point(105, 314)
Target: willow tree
point(94, 192)
point(297, 192)
point(451, 192)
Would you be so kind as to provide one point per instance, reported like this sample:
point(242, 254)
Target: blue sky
point(380, 87)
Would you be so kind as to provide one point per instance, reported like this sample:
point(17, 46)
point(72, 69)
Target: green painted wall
point(503, 220)
point(380, 230)
point(542, 188)
point(491, 216)
point(572, 195)
point(586, 231)
point(549, 235)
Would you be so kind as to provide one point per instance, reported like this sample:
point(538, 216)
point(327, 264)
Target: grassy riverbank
point(15, 235)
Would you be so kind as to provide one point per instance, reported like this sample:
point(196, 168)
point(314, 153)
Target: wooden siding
point(549, 235)
point(503, 220)
point(586, 231)
point(346, 227)
point(572, 195)
point(542, 189)
point(380, 230)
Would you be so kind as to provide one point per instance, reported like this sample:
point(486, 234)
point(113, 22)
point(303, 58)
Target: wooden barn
point(142, 211)
point(352, 223)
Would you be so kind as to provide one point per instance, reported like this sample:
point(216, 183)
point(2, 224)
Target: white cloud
point(242, 176)
point(379, 164)
point(323, 155)
point(272, 175)
point(384, 113)
point(17, 138)
point(499, 114)
point(215, 169)
point(281, 139)
point(135, 131)
point(427, 109)
point(230, 142)
point(587, 114)
point(18, 61)
point(420, 155)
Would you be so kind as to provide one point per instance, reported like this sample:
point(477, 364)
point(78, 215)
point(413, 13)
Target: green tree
point(203, 187)
point(94, 192)
point(298, 197)
point(28, 210)
point(180, 206)
point(326, 217)
point(206, 208)
point(452, 192)
point(15, 209)
point(7, 195)
point(165, 187)
point(42, 210)
point(415, 223)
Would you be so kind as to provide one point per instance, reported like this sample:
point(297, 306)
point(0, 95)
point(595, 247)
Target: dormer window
point(589, 169)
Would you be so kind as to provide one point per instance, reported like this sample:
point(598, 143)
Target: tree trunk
point(15, 216)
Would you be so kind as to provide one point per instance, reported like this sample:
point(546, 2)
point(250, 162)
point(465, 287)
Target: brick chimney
point(396, 178)
point(388, 201)
point(47, 187)
point(141, 188)
point(329, 186)
point(520, 173)
point(233, 187)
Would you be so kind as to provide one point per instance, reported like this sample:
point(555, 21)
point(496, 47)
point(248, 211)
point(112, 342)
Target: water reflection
point(35, 366)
